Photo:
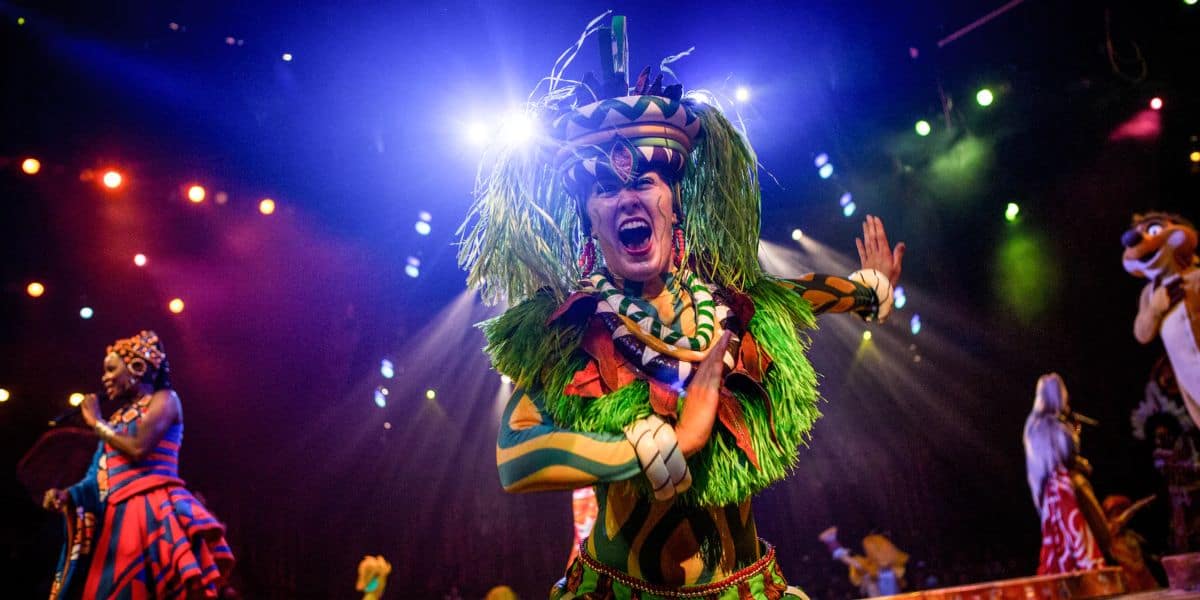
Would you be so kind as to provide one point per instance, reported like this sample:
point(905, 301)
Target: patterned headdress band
point(144, 345)
point(620, 131)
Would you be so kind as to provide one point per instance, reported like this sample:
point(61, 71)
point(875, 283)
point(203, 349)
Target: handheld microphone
point(74, 412)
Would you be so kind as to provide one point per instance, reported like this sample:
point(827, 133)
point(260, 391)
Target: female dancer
point(1058, 481)
point(133, 530)
point(667, 371)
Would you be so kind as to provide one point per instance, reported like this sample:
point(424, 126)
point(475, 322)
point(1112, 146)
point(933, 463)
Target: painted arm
point(162, 412)
point(866, 292)
point(533, 454)
point(833, 294)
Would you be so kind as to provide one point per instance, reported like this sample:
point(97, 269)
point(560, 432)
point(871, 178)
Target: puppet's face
point(119, 379)
point(1157, 245)
point(632, 223)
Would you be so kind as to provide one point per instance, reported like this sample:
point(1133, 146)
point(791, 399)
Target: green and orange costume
point(600, 371)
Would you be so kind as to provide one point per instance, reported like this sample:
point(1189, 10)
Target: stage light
point(112, 180)
point(1190, 2)
point(900, 298)
point(703, 97)
point(196, 194)
point(477, 134)
point(266, 206)
point(1011, 212)
point(222, 198)
point(173, 26)
point(387, 369)
point(820, 160)
point(229, 40)
point(139, 260)
point(86, 313)
point(826, 171)
point(412, 271)
point(75, 399)
point(1194, 156)
point(387, 424)
point(518, 128)
point(866, 335)
point(430, 394)
point(1156, 103)
point(31, 166)
point(914, 324)
point(923, 128)
point(425, 216)
point(4, 395)
point(381, 394)
point(848, 209)
point(423, 228)
point(35, 289)
point(20, 21)
point(797, 235)
point(414, 261)
point(742, 94)
point(846, 198)
point(287, 57)
point(984, 97)
point(175, 305)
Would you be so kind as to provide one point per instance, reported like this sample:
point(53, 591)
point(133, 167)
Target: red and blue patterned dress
point(154, 539)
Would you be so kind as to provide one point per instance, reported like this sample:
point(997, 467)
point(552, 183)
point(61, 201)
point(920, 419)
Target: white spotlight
point(477, 134)
point(742, 94)
point(517, 129)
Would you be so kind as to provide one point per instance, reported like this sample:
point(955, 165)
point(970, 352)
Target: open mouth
point(634, 235)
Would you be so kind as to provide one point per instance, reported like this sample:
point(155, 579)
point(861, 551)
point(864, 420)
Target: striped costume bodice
point(119, 476)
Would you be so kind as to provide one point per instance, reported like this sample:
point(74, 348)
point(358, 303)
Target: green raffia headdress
point(523, 232)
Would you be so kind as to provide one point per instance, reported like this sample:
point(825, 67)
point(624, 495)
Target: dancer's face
point(119, 381)
point(632, 223)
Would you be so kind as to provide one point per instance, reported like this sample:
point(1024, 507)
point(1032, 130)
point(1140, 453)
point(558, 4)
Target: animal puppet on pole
point(1161, 248)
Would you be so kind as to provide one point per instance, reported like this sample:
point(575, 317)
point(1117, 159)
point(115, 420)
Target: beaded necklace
point(670, 356)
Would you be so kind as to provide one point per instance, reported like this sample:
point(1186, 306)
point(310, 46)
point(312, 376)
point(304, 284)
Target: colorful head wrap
point(145, 346)
point(524, 232)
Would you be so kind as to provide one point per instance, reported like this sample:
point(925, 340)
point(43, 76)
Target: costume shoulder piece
point(526, 346)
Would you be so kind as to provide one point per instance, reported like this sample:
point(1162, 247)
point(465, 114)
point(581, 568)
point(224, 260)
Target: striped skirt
point(159, 544)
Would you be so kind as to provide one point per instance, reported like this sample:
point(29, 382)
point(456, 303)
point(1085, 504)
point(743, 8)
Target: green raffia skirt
point(589, 580)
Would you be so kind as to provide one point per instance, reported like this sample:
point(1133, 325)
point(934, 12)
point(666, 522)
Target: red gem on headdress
point(621, 160)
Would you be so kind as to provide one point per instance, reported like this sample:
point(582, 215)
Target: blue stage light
point(848, 209)
point(423, 228)
point(86, 312)
point(826, 171)
point(901, 299)
point(381, 394)
point(820, 160)
point(914, 324)
point(387, 369)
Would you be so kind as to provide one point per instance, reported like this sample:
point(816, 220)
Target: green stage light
point(923, 128)
point(984, 97)
point(1011, 212)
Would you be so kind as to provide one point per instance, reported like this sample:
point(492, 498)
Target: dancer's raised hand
point(700, 401)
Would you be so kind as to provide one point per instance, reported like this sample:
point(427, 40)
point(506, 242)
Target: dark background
point(287, 317)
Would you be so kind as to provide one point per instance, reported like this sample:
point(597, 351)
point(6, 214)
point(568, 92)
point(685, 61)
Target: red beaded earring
point(680, 247)
point(587, 258)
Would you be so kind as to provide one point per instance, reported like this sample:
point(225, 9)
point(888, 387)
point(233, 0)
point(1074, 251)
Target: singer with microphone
point(133, 530)
point(1073, 527)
